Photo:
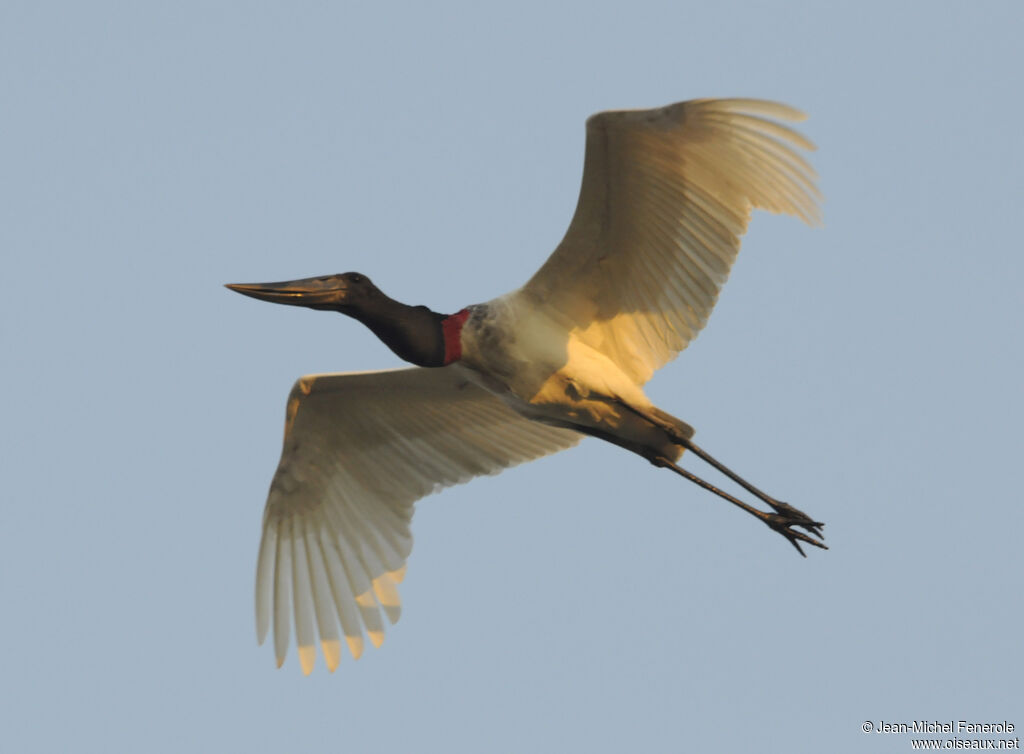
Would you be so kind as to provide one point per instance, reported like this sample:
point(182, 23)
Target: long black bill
point(316, 293)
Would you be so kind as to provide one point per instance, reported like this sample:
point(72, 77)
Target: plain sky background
point(869, 372)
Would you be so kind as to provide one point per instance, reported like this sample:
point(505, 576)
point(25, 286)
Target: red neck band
point(451, 328)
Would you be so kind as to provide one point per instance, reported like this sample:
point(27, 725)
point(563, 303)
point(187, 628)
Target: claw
point(787, 516)
point(792, 541)
point(784, 517)
point(798, 518)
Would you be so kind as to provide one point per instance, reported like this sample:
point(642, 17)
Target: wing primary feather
point(795, 161)
point(364, 487)
point(360, 579)
point(282, 590)
point(695, 281)
point(703, 252)
point(687, 287)
point(374, 554)
point(327, 624)
point(265, 579)
point(387, 596)
point(711, 223)
point(766, 107)
point(712, 212)
point(344, 600)
point(783, 176)
point(302, 598)
point(763, 128)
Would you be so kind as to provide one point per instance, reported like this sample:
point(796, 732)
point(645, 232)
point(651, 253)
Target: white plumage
point(666, 195)
point(359, 450)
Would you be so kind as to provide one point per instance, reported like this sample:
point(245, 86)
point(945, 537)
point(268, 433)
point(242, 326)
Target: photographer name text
point(939, 726)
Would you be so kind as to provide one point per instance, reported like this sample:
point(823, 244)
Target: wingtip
point(355, 646)
point(764, 107)
point(332, 653)
point(307, 658)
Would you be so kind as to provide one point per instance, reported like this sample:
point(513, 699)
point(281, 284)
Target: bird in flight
point(666, 195)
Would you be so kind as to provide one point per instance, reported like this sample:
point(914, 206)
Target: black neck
point(413, 332)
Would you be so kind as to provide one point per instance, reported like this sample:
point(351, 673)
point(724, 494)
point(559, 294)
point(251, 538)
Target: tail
point(677, 427)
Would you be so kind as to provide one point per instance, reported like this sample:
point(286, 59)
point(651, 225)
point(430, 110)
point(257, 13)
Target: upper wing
point(666, 195)
point(359, 450)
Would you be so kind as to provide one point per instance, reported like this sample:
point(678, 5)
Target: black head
point(413, 332)
point(341, 293)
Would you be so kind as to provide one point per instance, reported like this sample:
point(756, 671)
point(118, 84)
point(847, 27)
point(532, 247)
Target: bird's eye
point(356, 278)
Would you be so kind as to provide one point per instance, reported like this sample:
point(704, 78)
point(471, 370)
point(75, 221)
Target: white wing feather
point(359, 450)
point(666, 195)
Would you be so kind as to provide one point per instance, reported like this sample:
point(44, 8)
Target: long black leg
point(673, 426)
point(785, 516)
point(777, 505)
point(708, 458)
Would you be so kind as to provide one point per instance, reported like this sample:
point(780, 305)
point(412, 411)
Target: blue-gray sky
point(868, 371)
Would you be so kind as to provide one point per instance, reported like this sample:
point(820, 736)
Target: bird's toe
point(786, 517)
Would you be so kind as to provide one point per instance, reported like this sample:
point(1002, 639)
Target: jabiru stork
point(667, 193)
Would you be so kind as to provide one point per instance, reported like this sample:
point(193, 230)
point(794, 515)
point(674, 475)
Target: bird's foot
point(785, 517)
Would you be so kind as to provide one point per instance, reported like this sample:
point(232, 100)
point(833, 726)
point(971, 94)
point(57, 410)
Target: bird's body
point(666, 195)
point(512, 347)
